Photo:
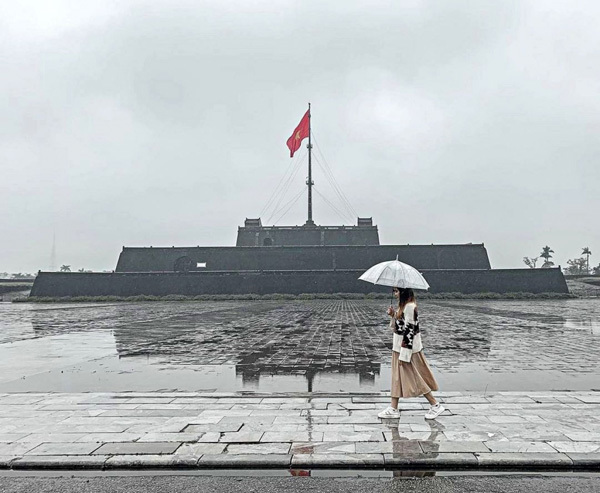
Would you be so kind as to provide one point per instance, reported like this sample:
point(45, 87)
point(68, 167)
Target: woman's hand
point(391, 311)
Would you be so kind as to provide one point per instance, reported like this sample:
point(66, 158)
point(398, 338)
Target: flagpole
point(309, 182)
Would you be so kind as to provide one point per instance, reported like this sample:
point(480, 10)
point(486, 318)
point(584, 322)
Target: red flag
point(299, 134)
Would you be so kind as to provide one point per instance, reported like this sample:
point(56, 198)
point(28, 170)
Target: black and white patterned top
point(407, 335)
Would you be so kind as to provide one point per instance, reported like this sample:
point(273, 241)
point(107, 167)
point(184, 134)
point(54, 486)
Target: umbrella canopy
point(395, 273)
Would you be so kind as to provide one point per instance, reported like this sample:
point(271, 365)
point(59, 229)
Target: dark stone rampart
point(306, 236)
point(150, 259)
point(57, 284)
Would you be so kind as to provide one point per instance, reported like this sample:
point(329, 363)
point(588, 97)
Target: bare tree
point(576, 266)
point(530, 262)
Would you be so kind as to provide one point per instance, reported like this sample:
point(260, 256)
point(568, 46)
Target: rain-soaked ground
point(286, 346)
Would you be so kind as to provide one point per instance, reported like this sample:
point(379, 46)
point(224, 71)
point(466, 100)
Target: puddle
point(294, 346)
point(32, 356)
point(113, 374)
point(591, 325)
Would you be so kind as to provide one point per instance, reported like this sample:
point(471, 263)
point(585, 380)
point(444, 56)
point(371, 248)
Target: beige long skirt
point(411, 379)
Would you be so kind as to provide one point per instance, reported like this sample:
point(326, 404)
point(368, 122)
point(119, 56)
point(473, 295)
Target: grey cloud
point(165, 123)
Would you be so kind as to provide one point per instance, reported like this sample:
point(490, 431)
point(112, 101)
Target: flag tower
point(309, 182)
point(301, 132)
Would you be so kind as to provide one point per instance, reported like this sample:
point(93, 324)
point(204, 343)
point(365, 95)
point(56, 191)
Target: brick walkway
point(548, 430)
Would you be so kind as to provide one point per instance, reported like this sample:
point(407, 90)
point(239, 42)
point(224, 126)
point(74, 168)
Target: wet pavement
point(312, 345)
point(298, 432)
point(295, 385)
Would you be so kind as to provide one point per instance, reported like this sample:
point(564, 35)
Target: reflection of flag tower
point(53, 253)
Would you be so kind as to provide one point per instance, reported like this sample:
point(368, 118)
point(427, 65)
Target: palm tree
point(65, 268)
point(547, 255)
point(587, 253)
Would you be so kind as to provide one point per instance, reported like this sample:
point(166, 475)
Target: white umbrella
point(395, 273)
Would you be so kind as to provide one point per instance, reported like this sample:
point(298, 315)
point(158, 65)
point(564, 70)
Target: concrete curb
point(83, 462)
point(442, 461)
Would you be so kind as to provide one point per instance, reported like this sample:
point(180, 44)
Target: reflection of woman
point(430, 446)
point(411, 375)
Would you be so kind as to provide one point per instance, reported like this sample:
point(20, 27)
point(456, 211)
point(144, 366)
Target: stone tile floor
point(239, 430)
point(462, 337)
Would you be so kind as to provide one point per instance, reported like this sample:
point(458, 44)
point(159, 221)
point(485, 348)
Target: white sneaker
point(435, 411)
point(389, 413)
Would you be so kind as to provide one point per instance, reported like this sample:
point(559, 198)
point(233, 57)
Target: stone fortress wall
point(254, 234)
point(178, 259)
point(294, 260)
point(292, 282)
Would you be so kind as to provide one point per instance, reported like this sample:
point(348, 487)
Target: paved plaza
point(555, 430)
point(296, 385)
point(320, 345)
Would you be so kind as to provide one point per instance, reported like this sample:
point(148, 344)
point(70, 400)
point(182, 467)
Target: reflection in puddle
point(294, 346)
point(591, 325)
point(23, 359)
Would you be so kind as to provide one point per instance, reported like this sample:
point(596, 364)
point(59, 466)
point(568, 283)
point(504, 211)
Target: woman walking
point(411, 375)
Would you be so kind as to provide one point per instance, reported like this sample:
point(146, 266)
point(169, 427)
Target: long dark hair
point(405, 296)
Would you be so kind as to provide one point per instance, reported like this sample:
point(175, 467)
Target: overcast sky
point(164, 122)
